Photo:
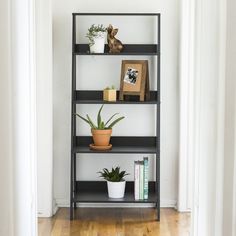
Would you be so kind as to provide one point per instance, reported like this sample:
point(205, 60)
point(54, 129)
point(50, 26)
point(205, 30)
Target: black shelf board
point(120, 144)
point(129, 49)
point(96, 192)
point(116, 14)
point(96, 97)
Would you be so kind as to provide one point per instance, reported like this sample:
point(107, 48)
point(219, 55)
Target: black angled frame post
point(125, 144)
point(158, 116)
point(73, 121)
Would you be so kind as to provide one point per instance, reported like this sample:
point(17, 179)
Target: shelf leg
point(75, 206)
point(71, 211)
point(73, 186)
point(72, 189)
point(158, 211)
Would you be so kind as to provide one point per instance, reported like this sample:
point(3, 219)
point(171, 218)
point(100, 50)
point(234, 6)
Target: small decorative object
point(96, 35)
point(109, 94)
point(134, 79)
point(115, 181)
point(114, 44)
point(102, 131)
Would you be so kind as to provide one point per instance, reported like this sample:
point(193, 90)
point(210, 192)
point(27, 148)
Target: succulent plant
point(95, 31)
point(115, 175)
point(110, 88)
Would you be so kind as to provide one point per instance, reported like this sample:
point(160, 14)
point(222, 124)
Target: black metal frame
point(131, 144)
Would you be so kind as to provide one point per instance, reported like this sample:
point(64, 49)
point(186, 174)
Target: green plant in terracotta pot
point(102, 130)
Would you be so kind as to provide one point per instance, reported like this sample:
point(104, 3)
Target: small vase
point(99, 44)
point(116, 189)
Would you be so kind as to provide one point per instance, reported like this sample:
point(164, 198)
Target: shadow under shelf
point(96, 191)
point(96, 97)
point(129, 49)
point(120, 144)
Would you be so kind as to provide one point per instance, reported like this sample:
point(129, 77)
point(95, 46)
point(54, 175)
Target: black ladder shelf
point(96, 191)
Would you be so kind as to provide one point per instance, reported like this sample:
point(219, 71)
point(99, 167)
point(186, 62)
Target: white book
point(136, 180)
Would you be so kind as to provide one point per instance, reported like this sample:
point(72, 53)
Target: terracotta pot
point(101, 137)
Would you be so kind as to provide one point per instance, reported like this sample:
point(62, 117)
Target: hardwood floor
point(116, 222)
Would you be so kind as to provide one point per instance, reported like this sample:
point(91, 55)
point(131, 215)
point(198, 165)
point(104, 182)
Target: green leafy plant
point(100, 123)
point(115, 175)
point(110, 88)
point(95, 31)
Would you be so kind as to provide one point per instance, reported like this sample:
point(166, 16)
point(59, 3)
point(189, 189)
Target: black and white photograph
point(131, 76)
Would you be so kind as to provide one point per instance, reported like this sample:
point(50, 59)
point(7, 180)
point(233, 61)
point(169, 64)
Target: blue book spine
point(141, 182)
point(145, 178)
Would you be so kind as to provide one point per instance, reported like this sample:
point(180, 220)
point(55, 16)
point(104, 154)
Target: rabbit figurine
point(114, 44)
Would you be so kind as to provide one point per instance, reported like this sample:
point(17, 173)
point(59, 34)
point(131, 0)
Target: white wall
point(186, 106)
point(6, 215)
point(230, 123)
point(17, 120)
point(207, 139)
point(24, 116)
point(89, 165)
point(44, 107)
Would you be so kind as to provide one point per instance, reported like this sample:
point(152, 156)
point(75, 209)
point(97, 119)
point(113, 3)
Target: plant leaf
point(92, 124)
point(99, 117)
point(81, 117)
point(102, 125)
point(114, 175)
point(111, 118)
point(115, 121)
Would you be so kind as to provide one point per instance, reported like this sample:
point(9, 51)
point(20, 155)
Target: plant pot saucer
point(100, 148)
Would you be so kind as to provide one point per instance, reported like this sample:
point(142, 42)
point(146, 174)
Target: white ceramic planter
point(99, 44)
point(116, 189)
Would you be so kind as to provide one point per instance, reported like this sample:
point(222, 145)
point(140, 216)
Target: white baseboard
point(54, 207)
point(165, 203)
point(60, 202)
point(47, 213)
point(188, 210)
point(44, 214)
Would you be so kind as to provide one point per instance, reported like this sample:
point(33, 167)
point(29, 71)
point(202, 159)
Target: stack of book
point(141, 179)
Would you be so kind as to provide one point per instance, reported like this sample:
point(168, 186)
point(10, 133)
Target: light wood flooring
point(116, 222)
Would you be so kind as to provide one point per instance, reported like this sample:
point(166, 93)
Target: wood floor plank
point(115, 222)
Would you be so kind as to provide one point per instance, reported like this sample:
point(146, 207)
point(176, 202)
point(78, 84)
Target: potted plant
point(115, 181)
point(96, 35)
point(109, 94)
point(102, 131)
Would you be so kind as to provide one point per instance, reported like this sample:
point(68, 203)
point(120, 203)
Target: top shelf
point(116, 14)
point(129, 49)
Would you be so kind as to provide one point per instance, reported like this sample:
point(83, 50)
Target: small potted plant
point(109, 94)
point(115, 181)
point(96, 35)
point(102, 131)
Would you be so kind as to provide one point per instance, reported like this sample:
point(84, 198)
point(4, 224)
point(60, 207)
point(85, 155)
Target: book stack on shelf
point(141, 179)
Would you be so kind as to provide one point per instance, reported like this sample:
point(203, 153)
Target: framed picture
point(134, 79)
